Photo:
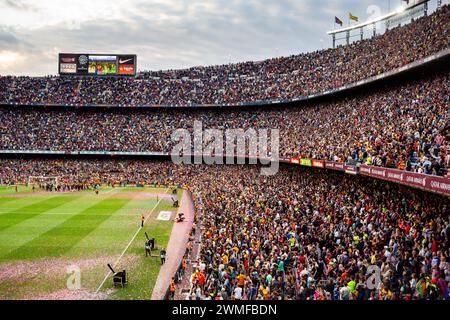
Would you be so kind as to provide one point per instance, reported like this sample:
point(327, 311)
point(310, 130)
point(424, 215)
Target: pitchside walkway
point(176, 247)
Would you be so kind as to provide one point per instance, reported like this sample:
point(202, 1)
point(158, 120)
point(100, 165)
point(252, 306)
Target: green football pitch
point(56, 245)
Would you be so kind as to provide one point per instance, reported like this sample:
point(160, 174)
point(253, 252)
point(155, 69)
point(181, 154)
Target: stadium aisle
point(175, 248)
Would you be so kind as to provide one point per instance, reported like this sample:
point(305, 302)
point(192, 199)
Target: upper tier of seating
point(279, 78)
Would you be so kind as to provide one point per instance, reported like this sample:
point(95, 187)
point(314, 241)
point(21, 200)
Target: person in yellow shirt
point(292, 241)
point(142, 220)
point(385, 294)
point(401, 164)
point(241, 280)
point(225, 259)
point(265, 292)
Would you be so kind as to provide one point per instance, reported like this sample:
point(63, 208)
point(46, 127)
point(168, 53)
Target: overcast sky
point(168, 34)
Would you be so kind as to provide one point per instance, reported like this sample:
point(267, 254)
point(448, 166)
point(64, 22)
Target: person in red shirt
point(434, 246)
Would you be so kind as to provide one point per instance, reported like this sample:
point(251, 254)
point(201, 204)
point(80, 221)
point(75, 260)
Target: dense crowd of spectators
point(404, 127)
point(274, 79)
point(301, 234)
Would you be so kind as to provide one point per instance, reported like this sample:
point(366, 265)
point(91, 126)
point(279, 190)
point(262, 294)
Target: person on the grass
point(147, 246)
point(162, 255)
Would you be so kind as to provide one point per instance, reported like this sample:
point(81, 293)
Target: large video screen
point(97, 64)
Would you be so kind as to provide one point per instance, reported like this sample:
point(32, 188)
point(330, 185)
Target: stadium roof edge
point(382, 18)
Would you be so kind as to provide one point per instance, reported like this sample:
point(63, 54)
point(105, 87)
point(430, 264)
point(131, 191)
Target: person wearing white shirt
point(238, 293)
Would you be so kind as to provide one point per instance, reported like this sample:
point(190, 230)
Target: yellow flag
point(352, 17)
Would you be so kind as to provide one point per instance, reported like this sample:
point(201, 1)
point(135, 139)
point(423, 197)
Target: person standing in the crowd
point(172, 288)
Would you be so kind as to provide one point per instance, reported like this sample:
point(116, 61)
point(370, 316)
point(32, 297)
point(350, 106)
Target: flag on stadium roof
point(338, 21)
point(352, 17)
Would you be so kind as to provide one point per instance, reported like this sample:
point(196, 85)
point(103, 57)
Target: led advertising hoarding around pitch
point(96, 64)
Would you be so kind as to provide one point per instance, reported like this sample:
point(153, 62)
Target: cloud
point(20, 5)
point(9, 58)
point(7, 38)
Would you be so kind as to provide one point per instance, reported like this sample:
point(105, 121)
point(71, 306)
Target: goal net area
point(43, 181)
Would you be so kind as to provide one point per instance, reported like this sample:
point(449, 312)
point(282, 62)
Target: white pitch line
point(129, 243)
point(105, 192)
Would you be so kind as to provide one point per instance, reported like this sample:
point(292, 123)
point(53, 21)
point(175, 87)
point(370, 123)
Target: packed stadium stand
point(275, 79)
point(401, 127)
point(300, 234)
point(303, 233)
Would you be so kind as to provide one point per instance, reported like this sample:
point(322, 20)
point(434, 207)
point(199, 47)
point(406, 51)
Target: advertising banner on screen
point(351, 169)
point(126, 64)
point(126, 69)
point(334, 165)
point(294, 160)
point(97, 64)
point(305, 162)
point(318, 163)
point(427, 182)
point(68, 68)
point(82, 64)
point(67, 63)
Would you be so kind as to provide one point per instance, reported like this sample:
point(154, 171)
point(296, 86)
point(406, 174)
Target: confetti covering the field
point(45, 236)
point(23, 270)
point(73, 295)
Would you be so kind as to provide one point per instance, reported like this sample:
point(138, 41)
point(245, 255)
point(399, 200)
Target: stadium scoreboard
point(96, 64)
